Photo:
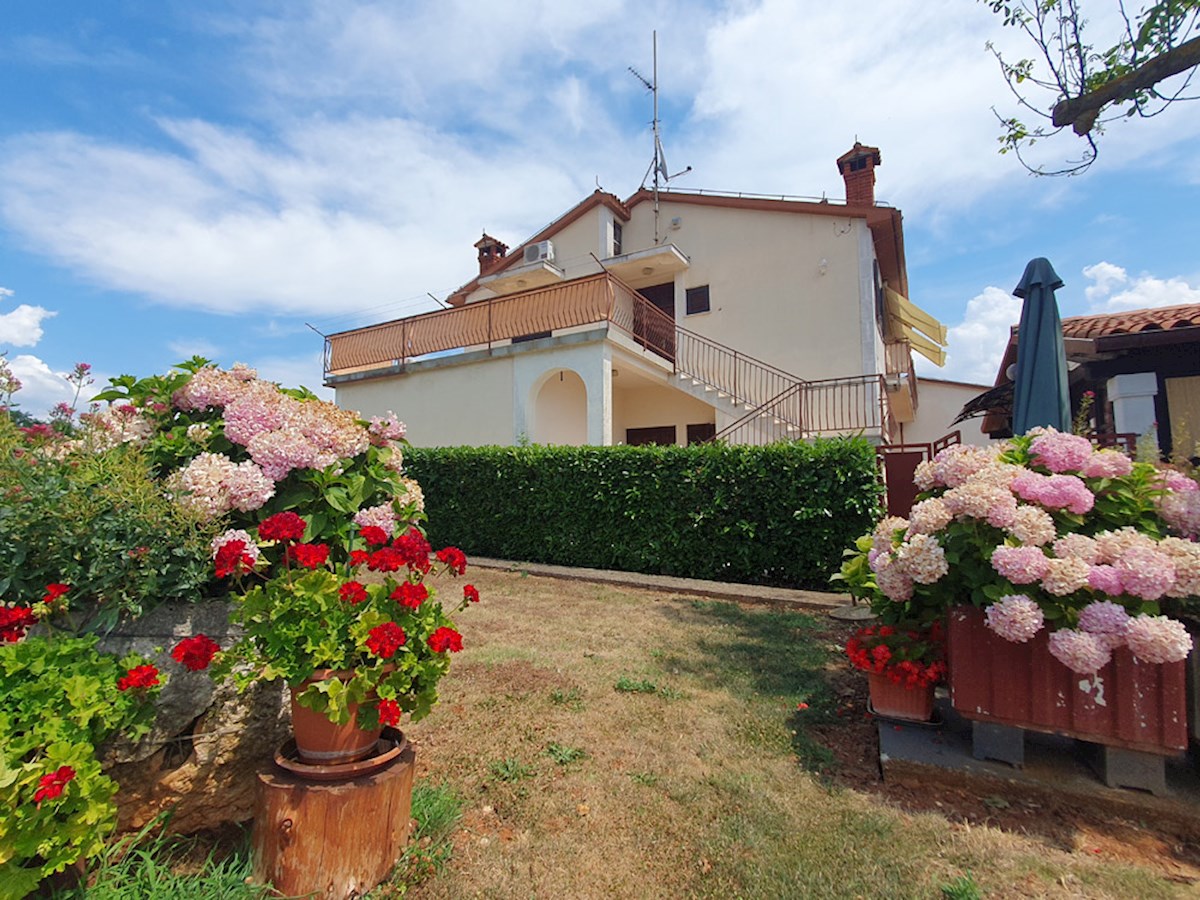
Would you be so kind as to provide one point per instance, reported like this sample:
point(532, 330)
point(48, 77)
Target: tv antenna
point(658, 164)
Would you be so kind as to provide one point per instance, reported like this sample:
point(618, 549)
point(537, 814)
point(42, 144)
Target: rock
point(208, 743)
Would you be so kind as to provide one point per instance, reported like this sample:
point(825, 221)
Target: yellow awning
point(926, 334)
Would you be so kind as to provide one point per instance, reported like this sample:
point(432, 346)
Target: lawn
point(610, 742)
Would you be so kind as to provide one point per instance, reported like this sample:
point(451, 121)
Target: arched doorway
point(560, 409)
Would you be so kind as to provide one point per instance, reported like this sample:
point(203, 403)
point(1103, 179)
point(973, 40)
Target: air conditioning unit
point(542, 250)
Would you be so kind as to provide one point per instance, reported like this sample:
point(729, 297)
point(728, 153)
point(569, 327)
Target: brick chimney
point(858, 169)
point(490, 250)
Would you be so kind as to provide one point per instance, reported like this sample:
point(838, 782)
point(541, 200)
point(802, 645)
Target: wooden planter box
point(894, 701)
point(1127, 704)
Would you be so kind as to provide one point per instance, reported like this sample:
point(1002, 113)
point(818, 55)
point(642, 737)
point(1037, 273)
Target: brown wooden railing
point(850, 405)
point(794, 407)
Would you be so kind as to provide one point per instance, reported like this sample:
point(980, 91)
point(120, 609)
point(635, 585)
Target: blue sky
point(180, 178)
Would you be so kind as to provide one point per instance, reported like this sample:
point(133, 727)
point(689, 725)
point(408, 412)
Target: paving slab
point(816, 601)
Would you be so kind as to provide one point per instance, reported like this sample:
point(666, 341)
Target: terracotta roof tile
point(1132, 321)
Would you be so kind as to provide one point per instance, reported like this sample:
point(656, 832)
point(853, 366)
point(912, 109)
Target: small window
point(661, 434)
point(616, 250)
point(697, 300)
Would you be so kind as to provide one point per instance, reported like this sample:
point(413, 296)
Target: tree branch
point(1081, 112)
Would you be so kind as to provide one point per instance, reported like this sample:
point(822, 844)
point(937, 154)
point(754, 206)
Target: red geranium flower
point(352, 592)
point(14, 622)
point(389, 712)
point(384, 640)
point(284, 526)
point(51, 786)
point(410, 594)
point(359, 557)
point(138, 677)
point(310, 556)
point(386, 559)
point(195, 652)
point(54, 591)
point(373, 535)
point(471, 593)
point(454, 559)
point(414, 549)
point(445, 639)
point(232, 559)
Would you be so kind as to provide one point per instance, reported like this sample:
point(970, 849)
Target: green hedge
point(780, 514)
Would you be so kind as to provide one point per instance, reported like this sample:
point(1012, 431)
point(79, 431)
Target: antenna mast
point(658, 164)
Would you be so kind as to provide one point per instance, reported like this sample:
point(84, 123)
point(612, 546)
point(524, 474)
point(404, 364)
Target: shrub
point(778, 514)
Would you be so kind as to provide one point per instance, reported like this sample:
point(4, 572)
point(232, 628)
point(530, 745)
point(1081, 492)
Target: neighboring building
point(1143, 367)
point(670, 317)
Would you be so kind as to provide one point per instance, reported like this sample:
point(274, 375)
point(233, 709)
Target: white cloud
point(41, 386)
point(303, 371)
point(976, 345)
point(1114, 290)
point(22, 327)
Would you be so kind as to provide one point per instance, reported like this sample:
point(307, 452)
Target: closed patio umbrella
point(1040, 395)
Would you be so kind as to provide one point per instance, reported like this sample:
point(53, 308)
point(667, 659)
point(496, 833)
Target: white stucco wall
point(560, 410)
point(649, 407)
point(450, 405)
point(939, 404)
point(785, 287)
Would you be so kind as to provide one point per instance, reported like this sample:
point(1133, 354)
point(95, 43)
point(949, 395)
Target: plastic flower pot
point(321, 741)
point(896, 701)
point(1128, 704)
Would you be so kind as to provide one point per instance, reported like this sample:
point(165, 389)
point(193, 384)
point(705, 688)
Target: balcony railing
point(802, 408)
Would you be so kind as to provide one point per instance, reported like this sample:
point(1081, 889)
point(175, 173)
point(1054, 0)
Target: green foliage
point(98, 521)
point(962, 888)
point(572, 699)
point(510, 769)
point(564, 755)
point(437, 809)
point(58, 700)
point(779, 514)
point(162, 868)
point(627, 685)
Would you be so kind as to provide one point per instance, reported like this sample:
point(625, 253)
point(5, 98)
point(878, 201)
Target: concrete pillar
point(1132, 398)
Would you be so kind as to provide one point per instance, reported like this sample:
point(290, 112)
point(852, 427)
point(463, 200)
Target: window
point(616, 239)
point(661, 434)
point(701, 433)
point(697, 300)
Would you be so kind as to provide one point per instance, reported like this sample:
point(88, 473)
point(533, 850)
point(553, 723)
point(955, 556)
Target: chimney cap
point(858, 151)
point(488, 241)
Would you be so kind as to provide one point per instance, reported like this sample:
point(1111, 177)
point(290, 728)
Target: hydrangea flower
point(1158, 639)
point(1079, 651)
point(1015, 618)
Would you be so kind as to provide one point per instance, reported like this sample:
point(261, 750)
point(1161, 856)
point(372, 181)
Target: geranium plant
point(1043, 531)
point(363, 609)
point(914, 657)
point(60, 697)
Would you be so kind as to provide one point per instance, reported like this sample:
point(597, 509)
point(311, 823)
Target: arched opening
point(560, 410)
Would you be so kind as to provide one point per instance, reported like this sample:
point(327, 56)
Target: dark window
point(616, 239)
point(661, 434)
point(697, 300)
point(701, 433)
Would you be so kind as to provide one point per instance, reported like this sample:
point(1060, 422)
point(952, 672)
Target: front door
point(654, 331)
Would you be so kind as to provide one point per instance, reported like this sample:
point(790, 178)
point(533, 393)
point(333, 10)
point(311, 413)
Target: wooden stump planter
point(1128, 704)
point(332, 839)
point(895, 701)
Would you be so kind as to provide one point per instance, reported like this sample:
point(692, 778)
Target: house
point(1142, 367)
point(669, 317)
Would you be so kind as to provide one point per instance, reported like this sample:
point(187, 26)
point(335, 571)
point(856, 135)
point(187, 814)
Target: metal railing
point(852, 405)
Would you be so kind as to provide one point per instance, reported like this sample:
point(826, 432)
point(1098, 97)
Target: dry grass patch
point(698, 777)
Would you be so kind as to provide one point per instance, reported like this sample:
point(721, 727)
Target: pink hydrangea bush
point(1045, 532)
point(233, 447)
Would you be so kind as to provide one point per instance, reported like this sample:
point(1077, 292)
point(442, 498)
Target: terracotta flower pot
point(319, 740)
point(895, 701)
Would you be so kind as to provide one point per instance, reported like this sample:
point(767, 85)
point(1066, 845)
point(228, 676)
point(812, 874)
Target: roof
point(1092, 336)
point(1133, 321)
point(885, 223)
